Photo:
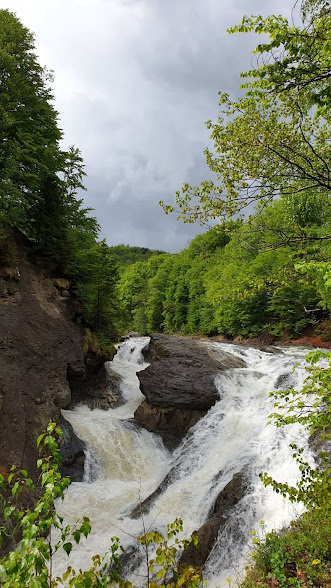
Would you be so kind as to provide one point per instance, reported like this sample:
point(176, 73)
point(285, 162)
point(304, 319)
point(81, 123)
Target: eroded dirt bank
point(41, 355)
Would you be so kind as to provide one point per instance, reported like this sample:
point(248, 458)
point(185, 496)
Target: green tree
point(30, 156)
point(296, 56)
point(40, 184)
point(275, 141)
point(95, 276)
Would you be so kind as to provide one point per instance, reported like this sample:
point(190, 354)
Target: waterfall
point(125, 464)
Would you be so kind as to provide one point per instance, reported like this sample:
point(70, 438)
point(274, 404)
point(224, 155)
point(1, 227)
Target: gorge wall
point(42, 362)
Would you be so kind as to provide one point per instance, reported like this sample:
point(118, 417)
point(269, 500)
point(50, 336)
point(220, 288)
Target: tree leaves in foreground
point(32, 563)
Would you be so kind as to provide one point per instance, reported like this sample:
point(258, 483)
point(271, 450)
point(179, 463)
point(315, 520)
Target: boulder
point(179, 385)
point(171, 423)
point(227, 499)
point(62, 397)
point(62, 283)
point(101, 389)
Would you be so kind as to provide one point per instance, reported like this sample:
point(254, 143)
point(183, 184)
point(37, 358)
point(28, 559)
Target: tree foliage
point(274, 142)
point(126, 255)
point(271, 164)
point(32, 563)
point(29, 145)
point(235, 281)
point(40, 184)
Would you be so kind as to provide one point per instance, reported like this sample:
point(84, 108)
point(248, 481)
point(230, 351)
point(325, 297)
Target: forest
point(235, 281)
point(39, 185)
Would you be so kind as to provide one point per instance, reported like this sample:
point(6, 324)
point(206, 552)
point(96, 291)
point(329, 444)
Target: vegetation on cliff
point(39, 183)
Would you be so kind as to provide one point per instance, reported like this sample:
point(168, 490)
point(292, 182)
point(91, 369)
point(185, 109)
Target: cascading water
point(125, 464)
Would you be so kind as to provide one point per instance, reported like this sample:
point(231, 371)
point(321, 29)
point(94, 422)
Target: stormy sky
point(135, 80)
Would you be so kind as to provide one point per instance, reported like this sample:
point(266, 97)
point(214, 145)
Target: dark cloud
point(135, 82)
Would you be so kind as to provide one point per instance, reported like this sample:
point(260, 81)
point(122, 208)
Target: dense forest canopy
point(126, 254)
point(224, 284)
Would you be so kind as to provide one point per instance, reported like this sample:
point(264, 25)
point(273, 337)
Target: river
point(125, 464)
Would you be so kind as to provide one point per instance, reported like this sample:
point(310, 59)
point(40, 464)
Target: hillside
point(126, 255)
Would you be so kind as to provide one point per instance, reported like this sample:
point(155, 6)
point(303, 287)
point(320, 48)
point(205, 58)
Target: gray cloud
point(134, 82)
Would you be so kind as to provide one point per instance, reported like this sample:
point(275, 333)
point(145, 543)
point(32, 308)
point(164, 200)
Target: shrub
point(31, 563)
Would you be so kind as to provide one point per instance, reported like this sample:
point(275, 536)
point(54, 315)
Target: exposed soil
point(41, 355)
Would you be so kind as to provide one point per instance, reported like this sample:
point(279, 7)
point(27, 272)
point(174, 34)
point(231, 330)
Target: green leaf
point(67, 548)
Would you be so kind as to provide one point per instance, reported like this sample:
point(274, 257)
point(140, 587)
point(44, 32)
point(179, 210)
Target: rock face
point(99, 389)
point(41, 356)
point(171, 423)
point(208, 532)
point(179, 385)
point(72, 453)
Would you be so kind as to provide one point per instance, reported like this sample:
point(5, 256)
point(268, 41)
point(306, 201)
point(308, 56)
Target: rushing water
point(125, 464)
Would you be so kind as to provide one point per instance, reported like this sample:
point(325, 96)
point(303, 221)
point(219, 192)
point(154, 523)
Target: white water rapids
point(125, 464)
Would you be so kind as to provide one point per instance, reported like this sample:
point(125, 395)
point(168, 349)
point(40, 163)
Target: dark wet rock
point(227, 499)
point(225, 359)
point(284, 381)
point(271, 349)
point(72, 453)
point(128, 336)
point(179, 385)
point(171, 423)
point(183, 375)
point(145, 506)
point(102, 389)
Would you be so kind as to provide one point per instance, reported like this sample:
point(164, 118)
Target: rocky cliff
point(41, 354)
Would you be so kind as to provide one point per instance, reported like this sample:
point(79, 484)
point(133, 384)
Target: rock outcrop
point(72, 453)
point(42, 362)
point(179, 385)
point(208, 532)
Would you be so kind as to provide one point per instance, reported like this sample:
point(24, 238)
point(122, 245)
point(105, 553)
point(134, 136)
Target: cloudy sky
point(135, 80)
